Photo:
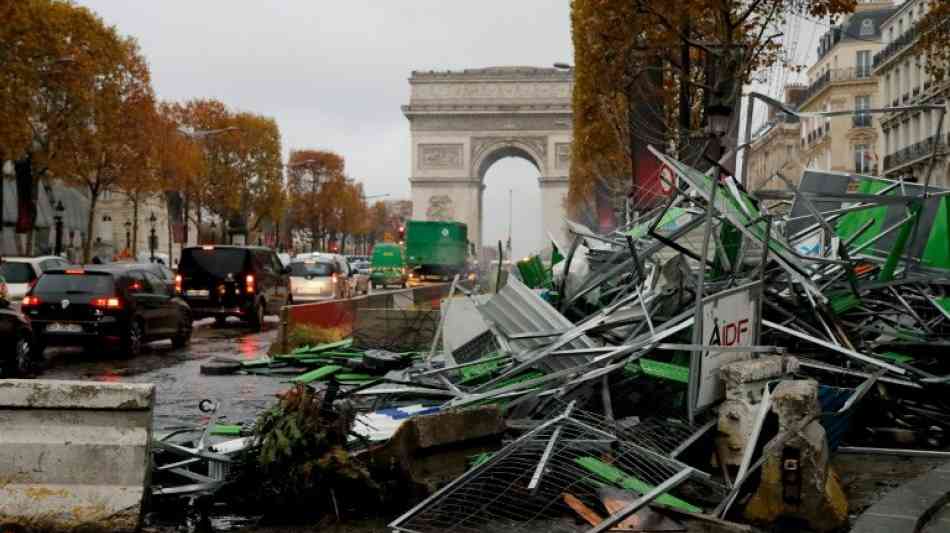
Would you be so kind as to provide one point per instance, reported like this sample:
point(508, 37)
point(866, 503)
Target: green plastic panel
point(620, 478)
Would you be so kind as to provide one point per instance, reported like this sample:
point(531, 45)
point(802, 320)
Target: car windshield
point(215, 261)
point(304, 269)
point(17, 272)
point(74, 284)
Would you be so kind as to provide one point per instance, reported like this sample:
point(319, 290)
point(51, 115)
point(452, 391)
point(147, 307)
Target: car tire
point(133, 339)
point(256, 320)
point(21, 364)
point(185, 329)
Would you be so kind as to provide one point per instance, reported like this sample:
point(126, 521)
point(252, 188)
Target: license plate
point(200, 293)
point(57, 327)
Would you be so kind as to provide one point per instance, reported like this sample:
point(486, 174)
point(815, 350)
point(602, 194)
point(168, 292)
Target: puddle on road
point(180, 386)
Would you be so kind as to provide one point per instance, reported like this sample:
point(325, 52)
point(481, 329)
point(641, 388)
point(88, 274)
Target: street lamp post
point(153, 237)
point(128, 235)
point(58, 218)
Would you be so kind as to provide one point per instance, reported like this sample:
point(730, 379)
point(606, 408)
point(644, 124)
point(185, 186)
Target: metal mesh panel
point(479, 347)
point(523, 487)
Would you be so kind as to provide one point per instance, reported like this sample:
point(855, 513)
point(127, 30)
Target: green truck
point(436, 249)
point(387, 266)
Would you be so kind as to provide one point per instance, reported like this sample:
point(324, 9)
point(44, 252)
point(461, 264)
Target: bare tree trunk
point(198, 221)
point(186, 203)
point(135, 227)
point(23, 170)
point(90, 226)
point(170, 228)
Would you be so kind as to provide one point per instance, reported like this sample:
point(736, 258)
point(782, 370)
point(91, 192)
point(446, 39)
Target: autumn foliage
point(325, 205)
point(643, 67)
point(934, 43)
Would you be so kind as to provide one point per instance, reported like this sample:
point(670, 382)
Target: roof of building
point(864, 25)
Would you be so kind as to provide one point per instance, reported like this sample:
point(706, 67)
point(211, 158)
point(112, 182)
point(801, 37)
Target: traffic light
point(402, 233)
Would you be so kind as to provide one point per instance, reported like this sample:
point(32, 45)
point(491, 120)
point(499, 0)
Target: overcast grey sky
point(333, 72)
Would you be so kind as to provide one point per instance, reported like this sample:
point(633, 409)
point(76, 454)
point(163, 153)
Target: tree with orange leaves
point(177, 161)
point(112, 144)
point(55, 59)
point(687, 64)
point(242, 180)
point(310, 197)
point(934, 42)
point(352, 212)
point(197, 118)
point(258, 172)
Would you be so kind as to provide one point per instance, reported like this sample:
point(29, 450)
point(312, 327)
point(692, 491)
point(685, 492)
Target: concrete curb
point(909, 507)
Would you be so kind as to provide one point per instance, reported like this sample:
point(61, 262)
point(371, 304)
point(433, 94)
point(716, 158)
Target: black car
point(247, 282)
point(122, 304)
point(163, 272)
point(17, 350)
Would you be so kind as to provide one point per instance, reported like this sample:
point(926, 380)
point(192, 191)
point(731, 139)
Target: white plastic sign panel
point(730, 319)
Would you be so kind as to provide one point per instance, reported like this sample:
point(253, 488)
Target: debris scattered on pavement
point(701, 364)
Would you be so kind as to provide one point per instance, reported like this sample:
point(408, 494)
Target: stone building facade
point(776, 148)
point(462, 122)
point(114, 228)
point(842, 79)
point(908, 138)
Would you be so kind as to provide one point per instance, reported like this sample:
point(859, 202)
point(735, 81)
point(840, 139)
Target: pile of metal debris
point(702, 363)
point(821, 312)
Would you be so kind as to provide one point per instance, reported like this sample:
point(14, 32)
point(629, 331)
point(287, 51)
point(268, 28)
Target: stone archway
point(462, 122)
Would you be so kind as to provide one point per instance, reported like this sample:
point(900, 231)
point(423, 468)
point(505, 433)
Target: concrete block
point(797, 480)
point(754, 371)
point(457, 426)
point(745, 382)
point(395, 329)
point(430, 450)
point(74, 454)
point(795, 400)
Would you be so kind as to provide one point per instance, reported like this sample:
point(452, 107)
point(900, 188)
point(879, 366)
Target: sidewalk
point(918, 505)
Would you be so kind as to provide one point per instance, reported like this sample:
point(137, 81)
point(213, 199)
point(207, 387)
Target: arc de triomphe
point(462, 122)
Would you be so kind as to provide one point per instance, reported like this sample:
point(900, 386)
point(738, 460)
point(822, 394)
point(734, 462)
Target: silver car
point(317, 279)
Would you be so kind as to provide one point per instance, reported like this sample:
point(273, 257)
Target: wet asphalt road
point(180, 386)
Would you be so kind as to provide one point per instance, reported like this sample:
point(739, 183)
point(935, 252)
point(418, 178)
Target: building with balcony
point(841, 80)
point(776, 147)
point(908, 138)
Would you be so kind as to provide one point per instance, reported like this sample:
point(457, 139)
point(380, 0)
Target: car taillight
point(178, 284)
point(107, 303)
point(30, 301)
point(249, 283)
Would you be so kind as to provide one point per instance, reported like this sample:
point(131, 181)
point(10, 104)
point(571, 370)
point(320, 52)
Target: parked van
point(387, 266)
